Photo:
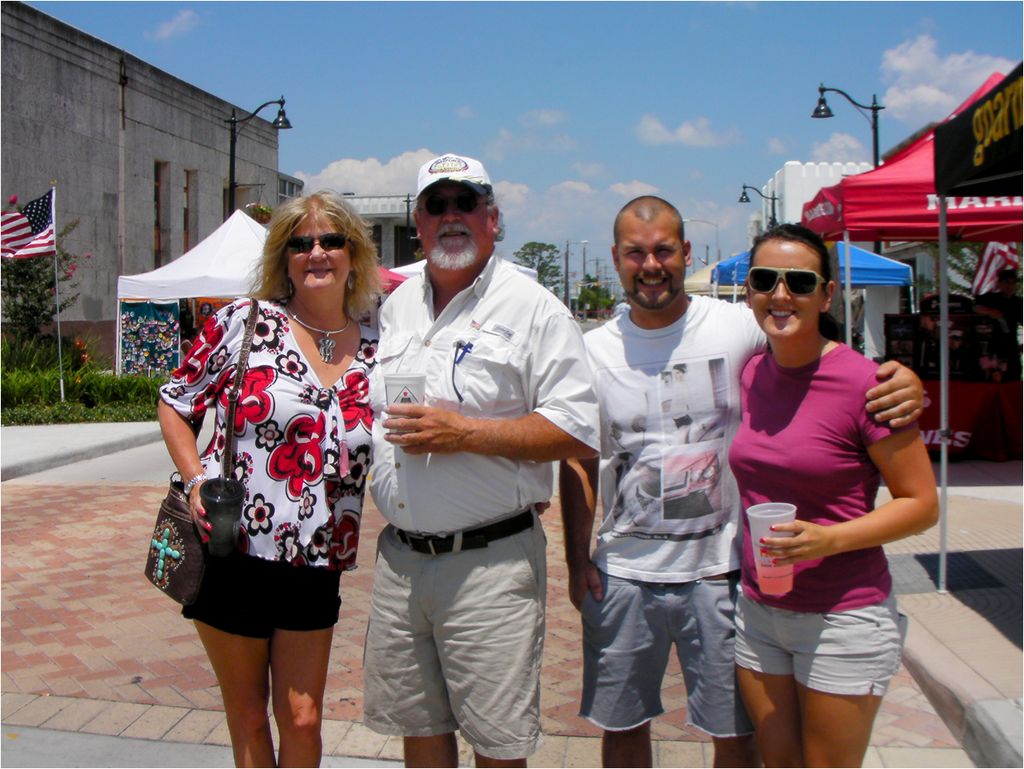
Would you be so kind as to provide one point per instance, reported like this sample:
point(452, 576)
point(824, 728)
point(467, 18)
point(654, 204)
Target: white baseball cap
point(453, 168)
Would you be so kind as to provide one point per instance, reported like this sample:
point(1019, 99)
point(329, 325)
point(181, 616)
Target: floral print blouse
point(302, 449)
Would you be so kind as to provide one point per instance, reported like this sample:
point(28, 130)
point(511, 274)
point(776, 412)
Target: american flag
point(29, 232)
point(997, 256)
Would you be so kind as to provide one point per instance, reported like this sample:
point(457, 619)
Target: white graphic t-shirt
point(669, 407)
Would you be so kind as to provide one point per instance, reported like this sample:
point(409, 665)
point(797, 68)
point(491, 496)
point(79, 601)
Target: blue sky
point(573, 107)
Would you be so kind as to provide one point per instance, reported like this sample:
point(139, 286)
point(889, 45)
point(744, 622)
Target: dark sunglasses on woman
point(329, 241)
point(799, 282)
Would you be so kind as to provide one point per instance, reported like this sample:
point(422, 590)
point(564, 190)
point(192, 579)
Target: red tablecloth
point(984, 418)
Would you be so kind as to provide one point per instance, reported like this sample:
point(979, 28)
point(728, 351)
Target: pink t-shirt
point(803, 439)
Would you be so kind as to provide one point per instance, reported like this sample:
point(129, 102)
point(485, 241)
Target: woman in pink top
point(812, 664)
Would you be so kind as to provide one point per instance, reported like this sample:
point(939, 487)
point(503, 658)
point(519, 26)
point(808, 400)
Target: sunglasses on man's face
point(466, 202)
point(799, 282)
point(329, 241)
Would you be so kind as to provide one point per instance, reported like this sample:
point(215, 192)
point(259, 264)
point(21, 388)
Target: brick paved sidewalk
point(88, 645)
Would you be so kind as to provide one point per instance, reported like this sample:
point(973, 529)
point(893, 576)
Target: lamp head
point(744, 198)
point(822, 110)
point(281, 122)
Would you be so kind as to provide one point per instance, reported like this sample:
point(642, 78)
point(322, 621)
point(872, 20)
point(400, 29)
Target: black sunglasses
point(329, 241)
point(799, 282)
point(466, 202)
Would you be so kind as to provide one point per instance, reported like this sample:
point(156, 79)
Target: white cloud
point(925, 86)
point(542, 117)
point(511, 196)
point(179, 25)
point(588, 170)
point(840, 148)
point(633, 189)
point(571, 188)
point(465, 112)
point(692, 133)
point(509, 143)
point(369, 176)
point(777, 146)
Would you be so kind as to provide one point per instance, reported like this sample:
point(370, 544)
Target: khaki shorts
point(455, 641)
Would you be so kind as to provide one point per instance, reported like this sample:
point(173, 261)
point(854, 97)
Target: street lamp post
point(744, 198)
point(235, 124)
point(718, 251)
point(824, 111)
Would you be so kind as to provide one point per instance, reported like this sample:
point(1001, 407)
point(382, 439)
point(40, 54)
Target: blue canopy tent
point(866, 269)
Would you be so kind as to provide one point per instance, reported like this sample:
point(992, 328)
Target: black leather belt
point(471, 539)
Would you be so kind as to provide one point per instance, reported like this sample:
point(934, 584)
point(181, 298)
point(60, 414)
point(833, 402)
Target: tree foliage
point(27, 288)
point(962, 261)
point(594, 296)
point(546, 259)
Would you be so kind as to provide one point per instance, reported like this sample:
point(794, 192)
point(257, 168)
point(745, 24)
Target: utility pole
point(565, 283)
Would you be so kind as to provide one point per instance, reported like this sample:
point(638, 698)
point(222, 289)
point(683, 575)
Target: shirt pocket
point(490, 378)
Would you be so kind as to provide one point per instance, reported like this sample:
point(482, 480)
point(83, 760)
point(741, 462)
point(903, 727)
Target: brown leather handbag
point(177, 556)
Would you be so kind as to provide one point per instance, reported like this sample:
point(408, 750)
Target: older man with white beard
point(457, 615)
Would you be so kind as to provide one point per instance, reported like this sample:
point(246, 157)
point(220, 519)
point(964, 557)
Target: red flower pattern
point(255, 403)
point(299, 459)
point(194, 365)
point(355, 401)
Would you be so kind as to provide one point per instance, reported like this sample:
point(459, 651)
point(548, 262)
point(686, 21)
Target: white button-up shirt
point(527, 355)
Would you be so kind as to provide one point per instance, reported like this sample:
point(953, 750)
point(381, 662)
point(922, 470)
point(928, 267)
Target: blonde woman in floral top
point(303, 450)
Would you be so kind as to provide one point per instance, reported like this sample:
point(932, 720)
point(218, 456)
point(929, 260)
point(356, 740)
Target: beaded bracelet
point(193, 481)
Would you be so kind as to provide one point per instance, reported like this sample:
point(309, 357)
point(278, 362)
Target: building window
point(188, 219)
point(287, 189)
point(161, 221)
point(406, 245)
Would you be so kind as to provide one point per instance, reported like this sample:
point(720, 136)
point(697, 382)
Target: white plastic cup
point(404, 388)
point(773, 580)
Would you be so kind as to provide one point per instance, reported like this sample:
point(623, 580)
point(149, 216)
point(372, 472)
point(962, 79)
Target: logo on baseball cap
point(453, 168)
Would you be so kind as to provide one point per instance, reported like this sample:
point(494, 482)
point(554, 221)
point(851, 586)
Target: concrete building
point(139, 158)
point(394, 230)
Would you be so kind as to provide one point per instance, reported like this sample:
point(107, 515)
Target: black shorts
point(252, 597)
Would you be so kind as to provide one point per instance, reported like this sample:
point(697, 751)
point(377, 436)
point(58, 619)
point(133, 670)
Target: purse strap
point(236, 388)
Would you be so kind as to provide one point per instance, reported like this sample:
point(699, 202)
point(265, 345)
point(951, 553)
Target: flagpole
point(56, 288)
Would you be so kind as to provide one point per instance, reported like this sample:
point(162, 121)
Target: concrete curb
point(65, 455)
point(994, 733)
point(987, 726)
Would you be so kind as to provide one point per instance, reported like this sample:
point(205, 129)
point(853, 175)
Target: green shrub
point(40, 354)
point(69, 412)
point(89, 388)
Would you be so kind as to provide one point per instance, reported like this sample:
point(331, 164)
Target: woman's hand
point(808, 543)
point(195, 504)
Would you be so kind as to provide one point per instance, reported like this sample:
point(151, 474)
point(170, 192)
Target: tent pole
point(944, 393)
point(847, 299)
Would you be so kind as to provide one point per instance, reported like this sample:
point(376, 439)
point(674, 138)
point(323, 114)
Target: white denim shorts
point(854, 652)
point(454, 642)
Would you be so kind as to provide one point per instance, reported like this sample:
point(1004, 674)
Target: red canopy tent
point(898, 201)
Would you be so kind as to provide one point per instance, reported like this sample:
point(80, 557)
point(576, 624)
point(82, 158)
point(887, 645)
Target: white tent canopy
point(221, 265)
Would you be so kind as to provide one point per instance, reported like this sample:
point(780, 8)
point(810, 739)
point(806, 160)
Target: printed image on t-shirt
point(694, 400)
point(668, 456)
